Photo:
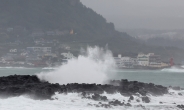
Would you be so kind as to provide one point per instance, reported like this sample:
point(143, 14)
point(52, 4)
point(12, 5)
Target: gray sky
point(147, 14)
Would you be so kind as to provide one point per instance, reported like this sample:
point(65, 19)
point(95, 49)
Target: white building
point(68, 55)
point(149, 59)
point(129, 62)
point(13, 50)
point(143, 59)
point(39, 49)
point(118, 61)
point(125, 62)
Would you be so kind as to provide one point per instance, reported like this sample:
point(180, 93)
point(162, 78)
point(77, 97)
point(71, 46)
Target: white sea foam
point(91, 67)
point(73, 101)
point(50, 68)
point(173, 69)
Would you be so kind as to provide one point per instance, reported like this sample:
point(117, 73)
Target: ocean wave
point(74, 101)
point(173, 69)
point(50, 68)
point(91, 67)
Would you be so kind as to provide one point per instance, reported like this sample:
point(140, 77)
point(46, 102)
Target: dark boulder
point(98, 97)
point(180, 106)
point(116, 103)
point(146, 99)
point(128, 104)
point(131, 98)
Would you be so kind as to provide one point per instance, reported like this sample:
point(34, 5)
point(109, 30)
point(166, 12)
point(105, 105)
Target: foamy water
point(74, 101)
point(173, 69)
point(91, 67)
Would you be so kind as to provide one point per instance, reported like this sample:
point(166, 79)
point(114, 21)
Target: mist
point(140, 14)
point(91, 67)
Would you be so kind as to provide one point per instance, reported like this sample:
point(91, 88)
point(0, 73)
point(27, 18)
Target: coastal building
point(118, 61)
point(154, 60)
point(125, 62)
point(67, 55)
point(149, 59)
point(129, 62)
point(163, 65)
point(7, 59)
point(13, 50)
point(143, 59)
point(39, 49)
point(32, 58)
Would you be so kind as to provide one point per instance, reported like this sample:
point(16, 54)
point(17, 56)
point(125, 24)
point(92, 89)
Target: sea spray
point(90, 67)
point(173, 69)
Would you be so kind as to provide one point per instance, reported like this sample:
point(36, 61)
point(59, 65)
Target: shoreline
point(135, 92)
point(55, 67)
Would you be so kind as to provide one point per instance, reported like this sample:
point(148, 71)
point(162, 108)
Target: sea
point(96, 66)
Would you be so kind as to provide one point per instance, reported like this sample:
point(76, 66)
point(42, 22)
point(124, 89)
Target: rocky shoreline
point(16, 85)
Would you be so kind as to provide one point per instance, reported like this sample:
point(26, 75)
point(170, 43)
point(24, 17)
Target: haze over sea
point(95, 66)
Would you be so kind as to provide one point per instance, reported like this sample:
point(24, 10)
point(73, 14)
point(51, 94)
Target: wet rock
point(128, 104)
point(180, 106)
point(143, 107)
point(83, 94)
point(104, 98)
point(138, 100)
point(142, 92)
point(131, 98)
point(105, 106)
point(97, 105)
point(176, 88)
point(161, 102)
point(98, 97)
point(16, 85)
point(116, 103)
point(146, 99)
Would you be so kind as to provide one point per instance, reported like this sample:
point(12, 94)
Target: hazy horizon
point(140, 14)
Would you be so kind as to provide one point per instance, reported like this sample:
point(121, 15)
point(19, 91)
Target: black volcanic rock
point(139, 87)
point(131, 98)
point(146, 99)
point(180, 106)
point(116, 103)
point(16, 85)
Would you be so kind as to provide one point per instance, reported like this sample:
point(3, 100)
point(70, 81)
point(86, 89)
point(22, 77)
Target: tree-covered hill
point(89, 27)
point(54, 14)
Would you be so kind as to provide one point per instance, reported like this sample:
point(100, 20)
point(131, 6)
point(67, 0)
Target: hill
point(79, 26)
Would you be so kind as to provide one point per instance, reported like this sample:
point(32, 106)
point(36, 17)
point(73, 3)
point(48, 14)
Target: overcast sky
point(147, 14)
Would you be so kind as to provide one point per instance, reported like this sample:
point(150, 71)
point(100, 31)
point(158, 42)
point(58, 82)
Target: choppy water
point(166, 77)
point(96, 66)
point(73, 101)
